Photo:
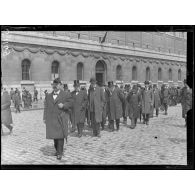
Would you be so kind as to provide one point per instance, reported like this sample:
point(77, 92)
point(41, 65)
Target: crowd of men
point(101, 103)
point(96, 106)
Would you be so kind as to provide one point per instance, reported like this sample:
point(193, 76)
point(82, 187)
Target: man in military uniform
point(79, 107)
point(115, 100)
point(147, 102)
point(55, 116)
point(96, 103)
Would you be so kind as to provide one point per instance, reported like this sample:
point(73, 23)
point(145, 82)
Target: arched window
point(170, 74)
point(119, 73)
point(159, 74)
point(26, 69)
point(148, 74)
point(179, 75)
point(55, 70)
point(80, 71)
point(134, 73)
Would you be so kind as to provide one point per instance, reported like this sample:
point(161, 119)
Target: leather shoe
point(59, 157)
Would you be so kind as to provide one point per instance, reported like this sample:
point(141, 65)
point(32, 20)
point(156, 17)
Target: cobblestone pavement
point(162, 142)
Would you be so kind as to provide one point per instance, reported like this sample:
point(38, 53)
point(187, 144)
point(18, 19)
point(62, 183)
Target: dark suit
point(96, 103)
point(78, 110)
point(57, 119)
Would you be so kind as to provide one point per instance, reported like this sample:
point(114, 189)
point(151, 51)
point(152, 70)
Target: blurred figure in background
point(157, 103)
point(17, 101)
point(35, 96)
point(186, 100)
point(6, 116)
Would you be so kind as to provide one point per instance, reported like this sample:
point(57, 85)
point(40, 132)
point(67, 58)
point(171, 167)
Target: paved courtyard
point(162, 142)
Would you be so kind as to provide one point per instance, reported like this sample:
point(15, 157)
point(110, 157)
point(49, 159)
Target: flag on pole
point(104, 38)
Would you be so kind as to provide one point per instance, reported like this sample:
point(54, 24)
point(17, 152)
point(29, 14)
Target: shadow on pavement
point(48, 150)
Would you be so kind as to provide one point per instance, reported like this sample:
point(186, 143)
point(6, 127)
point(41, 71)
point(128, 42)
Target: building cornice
point(64, 43)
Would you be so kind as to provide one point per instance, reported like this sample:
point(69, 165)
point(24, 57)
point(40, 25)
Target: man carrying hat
point(115, 100)
point(147, 102)
point(79, 107)
point(57, 105)
point(96, 104)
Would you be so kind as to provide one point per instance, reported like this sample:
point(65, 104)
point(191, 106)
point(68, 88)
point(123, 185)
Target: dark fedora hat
point(76, 83)
point(110, 83)
point(57, 81)
point(146, 82)
point(92, 80)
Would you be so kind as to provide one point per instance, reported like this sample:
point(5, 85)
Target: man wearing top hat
point(80, 100)
point(96, 104)
point(115, 98)
point(147, 102)
point(57, 105)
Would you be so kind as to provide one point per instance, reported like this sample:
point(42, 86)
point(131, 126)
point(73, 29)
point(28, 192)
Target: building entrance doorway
point(100, 72)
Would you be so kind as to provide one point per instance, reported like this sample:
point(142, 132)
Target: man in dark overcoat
point(115, 101)
point(6, 116)
point(125, 105)
point(57, 105)
point(96, 104)
point(134, 100)
point(157, 103)
point(79, 107)
point(147, 102)
point(104, 112)
point(186, 100)
point(165, 97)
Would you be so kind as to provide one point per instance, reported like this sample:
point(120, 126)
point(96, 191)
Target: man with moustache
point(57, 105)
point(79, 107)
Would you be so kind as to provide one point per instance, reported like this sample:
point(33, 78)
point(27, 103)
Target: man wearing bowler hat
point(147, 102)
point(79, 107)
point(96, 104)
point(57, 105)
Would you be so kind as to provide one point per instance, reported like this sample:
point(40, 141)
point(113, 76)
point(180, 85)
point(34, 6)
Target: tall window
point(160, 74)
point(55, 70)
point(147, 74)
point(119, 73)
point(179, 75)
point(79, 71)
point(26, 69)
point(134, 73)
point(170, 74)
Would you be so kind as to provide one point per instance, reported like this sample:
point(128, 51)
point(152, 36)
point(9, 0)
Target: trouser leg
point(10, 127)
point(92, 116)
point(60, 146)
point(112, 125)
point(144, 118)
point(157, 111)
point(135, 121)
point(166, 109)
point(132, 123)
point(55, 144)
point(117, 123)
point(147, 118)
point(97, 125)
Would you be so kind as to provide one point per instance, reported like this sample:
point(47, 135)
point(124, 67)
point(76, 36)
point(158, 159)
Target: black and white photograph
point(94, 97)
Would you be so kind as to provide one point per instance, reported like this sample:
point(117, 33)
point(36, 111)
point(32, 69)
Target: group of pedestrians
point(101, 103)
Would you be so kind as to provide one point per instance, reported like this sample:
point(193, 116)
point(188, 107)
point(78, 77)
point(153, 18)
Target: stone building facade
point(35, 58)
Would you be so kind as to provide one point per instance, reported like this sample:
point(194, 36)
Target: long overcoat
point(99, 101)
point(157, 97)
point(165, 96)
point(186, 100)
point(116, 99)
point(79, 107)
point(134, 101)
point(147, 99)
point(57, 119)
point(6, 117)
point(125, 104)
